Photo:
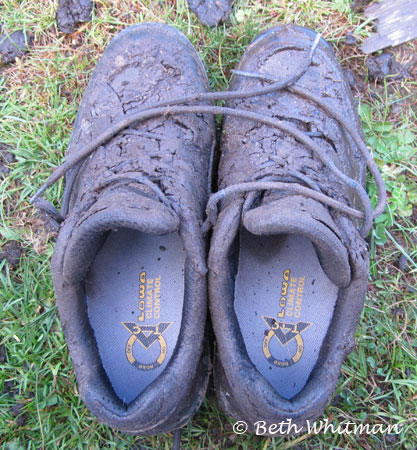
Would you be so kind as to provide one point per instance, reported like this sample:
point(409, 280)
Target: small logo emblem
point(146, 335)
point(285, 333)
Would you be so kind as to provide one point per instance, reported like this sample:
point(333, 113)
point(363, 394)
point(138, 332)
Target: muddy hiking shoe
point(129, 266)
point(288, 267)
point(288, 263)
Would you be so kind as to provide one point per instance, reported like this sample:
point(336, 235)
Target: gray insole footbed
point(135, 291)
point(284, 303)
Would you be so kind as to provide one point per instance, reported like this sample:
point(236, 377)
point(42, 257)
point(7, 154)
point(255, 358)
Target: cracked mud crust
point(171, 151)
point(271, 153)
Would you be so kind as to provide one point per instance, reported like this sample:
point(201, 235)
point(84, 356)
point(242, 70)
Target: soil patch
point(6, 158)
point(72, 13)
point(12, 253)
point(14, 45)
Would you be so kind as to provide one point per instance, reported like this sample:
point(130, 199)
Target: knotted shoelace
point(182, 106)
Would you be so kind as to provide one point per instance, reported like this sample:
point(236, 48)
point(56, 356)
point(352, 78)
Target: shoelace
point(179, 106)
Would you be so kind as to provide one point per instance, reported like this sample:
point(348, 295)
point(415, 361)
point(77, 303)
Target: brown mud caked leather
point(211, 12)
point(288, 264)
point(129, 265)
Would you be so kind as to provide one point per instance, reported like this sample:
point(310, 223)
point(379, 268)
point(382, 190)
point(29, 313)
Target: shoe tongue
point(134, 208)
point(299, 215)
point(118, 207)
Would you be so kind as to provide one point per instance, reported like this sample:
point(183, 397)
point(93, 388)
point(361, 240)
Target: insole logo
point(292, 292)
point(146, 335)
point(290, 304)
point(149, 298)
point(285, 333)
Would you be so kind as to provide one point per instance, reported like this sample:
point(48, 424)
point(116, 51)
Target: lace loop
point(252, 186)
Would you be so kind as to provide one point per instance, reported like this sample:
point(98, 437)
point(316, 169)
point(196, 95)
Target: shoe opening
point(135, 291)
point(284, 303)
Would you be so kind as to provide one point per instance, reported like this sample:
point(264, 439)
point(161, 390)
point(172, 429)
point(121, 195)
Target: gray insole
point(284, 303)
point(135, 291)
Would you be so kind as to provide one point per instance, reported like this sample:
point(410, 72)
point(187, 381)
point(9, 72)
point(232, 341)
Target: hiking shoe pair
point(287, 264)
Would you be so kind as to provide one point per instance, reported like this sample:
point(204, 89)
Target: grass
point(39, 97)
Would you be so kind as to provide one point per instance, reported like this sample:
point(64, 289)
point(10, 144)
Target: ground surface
point(39, 96)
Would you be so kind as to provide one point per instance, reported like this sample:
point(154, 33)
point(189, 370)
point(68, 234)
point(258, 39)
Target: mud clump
point(17, 411)
point(211, 12)
point(10, 388)
point(350, 39)
point(384, 65)
point(354, 82)
point(14, 46)
point(2, 354)
point(12, 253)
point(51, 225)
point(6, 158)
point(360, 4)
point(72, 13)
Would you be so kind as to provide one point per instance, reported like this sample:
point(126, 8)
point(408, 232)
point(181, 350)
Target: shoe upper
point(255, 152)
point(152, 177)
point(271, 153)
